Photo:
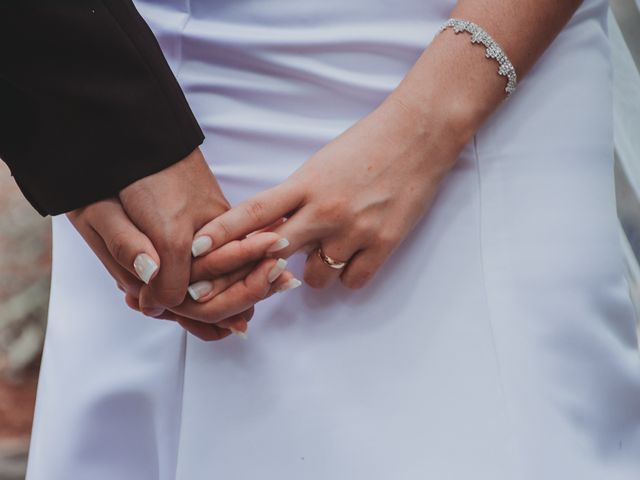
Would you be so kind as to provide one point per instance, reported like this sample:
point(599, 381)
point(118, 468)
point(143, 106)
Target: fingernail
point(290, 285)
point(145, 267)
point(200, 289)
point(201, 245)
point(240, 333)
point(276, 270)
point(279, 245)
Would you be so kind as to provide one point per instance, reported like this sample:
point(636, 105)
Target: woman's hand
point(357, 198)
point(228, 282)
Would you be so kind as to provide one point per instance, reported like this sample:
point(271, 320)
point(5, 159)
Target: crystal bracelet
point(493, 50)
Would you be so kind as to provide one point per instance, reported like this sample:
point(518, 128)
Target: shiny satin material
point(497, 343)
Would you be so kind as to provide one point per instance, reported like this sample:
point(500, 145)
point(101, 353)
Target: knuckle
point(387, 240)
point(118, 245)
point(362, 227)
point(255, 293)
point(173, 242)
point(336, 210)
point(244, 250)
point(255, 210)
point(223, 231)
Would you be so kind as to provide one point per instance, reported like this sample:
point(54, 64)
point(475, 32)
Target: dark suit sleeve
point(88, 103)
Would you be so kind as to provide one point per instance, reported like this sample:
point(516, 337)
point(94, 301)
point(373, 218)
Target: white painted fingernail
point(279, 245)
point(145, 267)
point(276, 270)
point(290, 285)
point(200, 289)
point(201, 245)
point(240, 333)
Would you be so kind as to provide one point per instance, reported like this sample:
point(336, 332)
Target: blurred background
point(25, 256)
point(25, 249)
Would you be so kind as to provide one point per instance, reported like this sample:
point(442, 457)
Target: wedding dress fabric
point(497, 343)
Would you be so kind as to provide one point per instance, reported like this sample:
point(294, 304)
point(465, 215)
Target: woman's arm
point(453, 82)
point(359, 196)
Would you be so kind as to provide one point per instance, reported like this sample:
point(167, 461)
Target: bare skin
point(360, 195)
point(158, 215)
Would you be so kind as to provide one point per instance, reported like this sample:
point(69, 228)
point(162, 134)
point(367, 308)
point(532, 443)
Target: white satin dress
point(498, 343)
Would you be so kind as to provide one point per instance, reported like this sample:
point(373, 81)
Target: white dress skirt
point(498, 343)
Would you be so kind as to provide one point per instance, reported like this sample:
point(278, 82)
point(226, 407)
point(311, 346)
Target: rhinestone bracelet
point(493, 50)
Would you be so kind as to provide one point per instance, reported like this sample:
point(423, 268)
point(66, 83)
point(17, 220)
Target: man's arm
point(88, 104)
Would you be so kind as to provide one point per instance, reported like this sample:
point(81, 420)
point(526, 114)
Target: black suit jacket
point(88, 103)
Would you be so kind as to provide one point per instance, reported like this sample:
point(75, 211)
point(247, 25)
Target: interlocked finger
point(238, 297)
point(233, 256)
point(205, 331)
point(258, 212)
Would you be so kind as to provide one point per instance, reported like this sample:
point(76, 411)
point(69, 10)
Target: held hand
point(234, 271)
point(230, 279)
point(357, 198)
point(168, 207)
point(226, 284)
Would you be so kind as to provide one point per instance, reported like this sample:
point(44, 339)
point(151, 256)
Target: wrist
point(423, 134)
point(441, 127)
point(452, 88)
point(450, 119)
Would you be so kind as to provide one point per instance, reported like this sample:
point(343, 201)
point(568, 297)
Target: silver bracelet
point(493, 50)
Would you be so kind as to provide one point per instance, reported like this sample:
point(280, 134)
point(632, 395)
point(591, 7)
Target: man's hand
point(169, 207)
point(226, 283)
point(150, 257)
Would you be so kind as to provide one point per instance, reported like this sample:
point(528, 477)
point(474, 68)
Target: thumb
point(128, 246)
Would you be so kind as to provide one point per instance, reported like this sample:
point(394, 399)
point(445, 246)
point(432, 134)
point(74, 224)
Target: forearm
point(453, 88)
point(88, 104)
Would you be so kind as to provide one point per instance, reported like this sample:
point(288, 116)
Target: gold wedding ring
point(330, 261)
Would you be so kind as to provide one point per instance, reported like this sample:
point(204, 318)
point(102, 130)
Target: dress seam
point(486, 296)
